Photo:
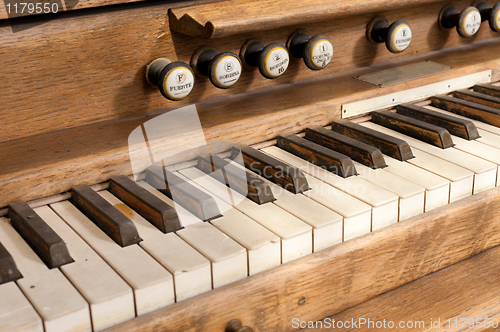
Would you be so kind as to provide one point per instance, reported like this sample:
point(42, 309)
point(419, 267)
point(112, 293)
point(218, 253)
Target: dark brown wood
point(469, 109)
point(420, 130)
point(456, 126)
point(332, 161)
point(455, 292)
point(488, 89)
point(108, 218)
point(477, 97)
point(359, 151)
point(153, 209)
point(238, 179)
point(391, 146)
point(183, 193)
point(41, 238)
point(8, 268)
point(286, 176)
point(360, 269)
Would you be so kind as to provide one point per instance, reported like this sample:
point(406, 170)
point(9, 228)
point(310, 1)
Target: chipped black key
point(108, 218)
point(183, 193)
point(316, 154)
point(361, 152)
point(468, 109)
point(238, 179)
point(456, 126)
point(41, 238)
point(153, 209)
point(391, 146)
point(286, 176)
point(8, 268)
point(420, 130)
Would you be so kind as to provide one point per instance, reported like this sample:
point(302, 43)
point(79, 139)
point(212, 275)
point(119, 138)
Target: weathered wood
point(469, 109)
point(288, 177)
point(391, 146)
point(41, 238)
point(8, 268)
point(183, 193)
point(153, 209)
point(360, 269)
point(333, 161)
point(456, 126)
point(238, 179)
point(477, 97)
point(420, 130)
point(109, 219)
point(488, 89)
point(359, 151)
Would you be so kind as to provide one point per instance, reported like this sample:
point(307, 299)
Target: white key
point(110, 298)
point(191, 271)
point(296, 236)
point(152, 285)
point(384, 203)
point(437, 189)
point(326, 224)
point(60, 305)
point(484, 171)
point(16, 313)
point(411, 195)
point(229, 259)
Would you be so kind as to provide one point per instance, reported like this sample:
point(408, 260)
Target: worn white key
point(152, 284)
point(111, 300)
point(229, 259)
point(16, 313)
point(296, 236)
point(190, 269)
point(484, 171)
point(488, 138)
point(384, 203)
point(326, 224)
point(59, 304)
point(411, 195)
point(437, 189)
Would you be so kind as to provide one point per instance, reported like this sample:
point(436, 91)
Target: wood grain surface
point(337, 278)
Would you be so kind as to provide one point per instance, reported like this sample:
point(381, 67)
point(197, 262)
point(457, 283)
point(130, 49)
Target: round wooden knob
point(397, 36)
point(492, 15)
point(175, 80)
point(223, 69)
point(236, 326)
point(467, 22)
point(317, 51)
point(272, 60)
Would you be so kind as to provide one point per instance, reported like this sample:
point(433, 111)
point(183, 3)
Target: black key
point(456, 126)
point(363, 153)
point(153, 209)
point(8, 268)
point(238, 179)
point(479, 98)
point(468, 109)
point(487, 89)
point(108, 218)
point(420, 130)
point(391, 146)
point(41, 238)
point(182, 192)
point(319, 155)
point(286, 176)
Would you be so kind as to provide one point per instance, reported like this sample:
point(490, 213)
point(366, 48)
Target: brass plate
point(404, 73)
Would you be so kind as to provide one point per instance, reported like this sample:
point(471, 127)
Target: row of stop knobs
point(176, 79)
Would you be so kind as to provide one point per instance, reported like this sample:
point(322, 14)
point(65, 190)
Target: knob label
point(178, 83)
point(471, 23)
point(227, 71)
point(276, 62)
point(497, 20)
point(401, 38)
point(321, 53)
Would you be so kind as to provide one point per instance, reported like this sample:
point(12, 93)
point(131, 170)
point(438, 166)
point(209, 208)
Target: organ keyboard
point(332, 192)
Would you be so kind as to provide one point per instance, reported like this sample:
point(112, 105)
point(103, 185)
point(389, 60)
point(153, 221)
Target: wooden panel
point(360, 269)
